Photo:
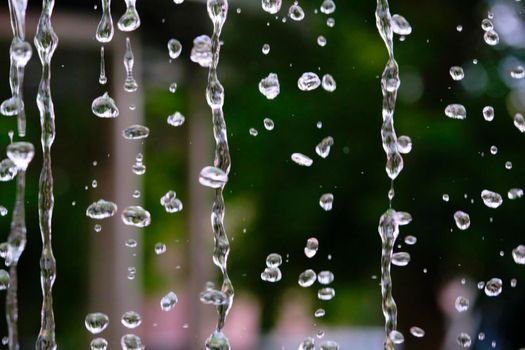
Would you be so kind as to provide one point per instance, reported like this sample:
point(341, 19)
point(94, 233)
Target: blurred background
point(272, 204)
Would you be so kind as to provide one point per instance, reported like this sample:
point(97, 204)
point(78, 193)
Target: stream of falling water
point(46, 42)
point(218, 11)
point(391, 220)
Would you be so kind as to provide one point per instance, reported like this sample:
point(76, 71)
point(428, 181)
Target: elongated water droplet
point(493, 287)
point(312, 245)
point(99, 344)
point(131, 342)
point(456, 111)
point(461, 304)
point(323, 148)
point(104, 107)
point(518, 254)
point(302, 159)
point(136, 216)
point(488, 113)
point(105, 28)
point(518, 72)
point(4, 279)
point(213, 177)
point(101, 209)
point(296, 12)
point(462, 220)
point(174, 48)
point(271, 6)
point(400, 259)
point(168, 301)
point(130, 20)
point(96, 322)
point(307, 278)
point(417, 332)
point(170, 203)
point(308, 81)
point(519, 122)
point(176, 119)
point(269, 86)
point(491, 199)
point(400, 25)
point(131, 319)
point(325, 277)
point(21, 153)
point(130, 84)
point(135, 132)
point(326, 201)
point(326, 293)
point(201, 51)
point(102, 79)
point(456, 73)
point(329, 83)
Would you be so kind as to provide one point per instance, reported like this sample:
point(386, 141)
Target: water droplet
point(307, 278)
point(486, 25)
point(329, 345)
point(271, 274)
point(326, 293)
point(456, 73)
point(104, 107)
point(253, 132)
point(518, 72)
point(8, 170)
point(136, 216)
point(326, 201)
point(131, 342)
point(519, 122)
point(217, 341)
point(130, 20)
point(174, 48)
point(101, 209)
point(176, 119)
point(515, 193)
point(493, 287)
point(445, 197)
point(171, 203)
point(160, 248)
point(131, 243)
point(417, 332)
point(328, 7)
point(456, 111)
point(491, 199)
point(135, 132)
point(410, 240)
point(21, 153)
point(462, 220)
point(329, 83)
point(173, 88)
point(396, 337)
point(130, 84)
point(266, 49)
point(319, 313)
point(271, 6)
point(325, 277)
point(488, 113)
point(105, 29)
point(312, 245)
point(269, 86)
point(518, 254)
point(330, 22)
point(308, 81)
point(213, 177)
point(321, 41)
point(131, 319)
point(400, 25)
point(3, 210)
point(307, 344)
point(268, 124)
point(400, 259)
point(461, 304)
point(96, 322)
point(201, 51)
point(99, 344)
point(323, 148)
point(168, 301)
point(459, 28)
point(296, 12)
point(404, 144)
point(491, 37)
point(464, 340)
point(98, 228)
point(302, 159)
point(274, 260)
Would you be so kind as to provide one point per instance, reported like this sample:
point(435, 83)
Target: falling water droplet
point(400, 25)
point(271, 6)
point(329, 345)
point(326, 201)
point(105, 29)
point(325, 277)
point(417, 332)
point(96, 322)
point(323, 148)
point(174, 48)
point(296, 12)
point(491, 199)
point(131, 319)
point(488, 113)
point(253, 132)
point(269, 86)
point(173, 88)
point(461, 304)
point(400, 259)
point(330, 22)
point(101, 209)
point(321, 41)
point(491, 37)
point(486, 25)
point(397, 337)
point(302, 159)
point(168, 301)
point(217, 341)
point(99, 344)
point(213, 296)
point(160, 248)
point(130, 84)
point(307, 278)
point(102, 79)
point(104, 107)
point(329, 83)
point(308, 81)
point(456, 111)
point(404, 144)
point(518, 254)
point(518, 72)
point(21, 153)
point(326, 293)
point(307, 344)
point(265, 49)
point(171, 203)
point(4, 279)
point(312, 245)
point(328, 7)
point(8, 170)
point(130, 20)
point(135, 132)
point(268, 124)
point(136, 216)
point(410, 240)
point(464, 340)
point(213, 177)
point(493, 287)
point(456, 73)
point(201, 51)
point(515, 193)
point(176, 119)
point(519, 122)
point(3, 210)
point(462, 220)
point(131, 342)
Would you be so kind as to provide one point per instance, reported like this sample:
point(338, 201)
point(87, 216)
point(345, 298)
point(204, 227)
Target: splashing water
point(46, 42)
point(218, 11)
point(20, 53)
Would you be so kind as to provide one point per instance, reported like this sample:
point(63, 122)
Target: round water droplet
point(96, 322)
point(173, 88)
point(99, 344)
point(456, 111)
point(135, 132)
point(456, 73)
point(410, 240)
point(307, 278)
point(326, 201)
point(174, 48)
point(319, 313)
point(4, 279)
point(462, 220)
point(296, 12)
point(271, 274)
point(217, 341)
point(136, 216)
point(321, 41)
point(131, 342)
point(98, 228)
point(21, 153)
point(519, 122)
point(325, 277)
point(101, 209)
point(160, 248)
point(417, 332)
point(269, 86)
point(274, 260)
point(445, 197)
point(271, 6)
point(493, 287)
point(268, 124)
point(213, 177)
point(461, 304)
point(171, 203)
point(400, 259)
point(328, 7)
point(491, 37)
point(326, 293)
point(330, 22)
point(396, 337)
point(131, 243)
point(253, 132)
point(312, 245)
point(404, 144)
point(486, 25)
point(491, 199)
point(265, 49)
point(104, 107)
point(301, 159)
point(518, 254)
point(329, 83)
point(488, 113)
point(518, 72)
point(400, 25)
point(308, 81)
point(464, 340)
point(176, 119)
point(168, 301)
point(3, 210)
point(131, 319)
